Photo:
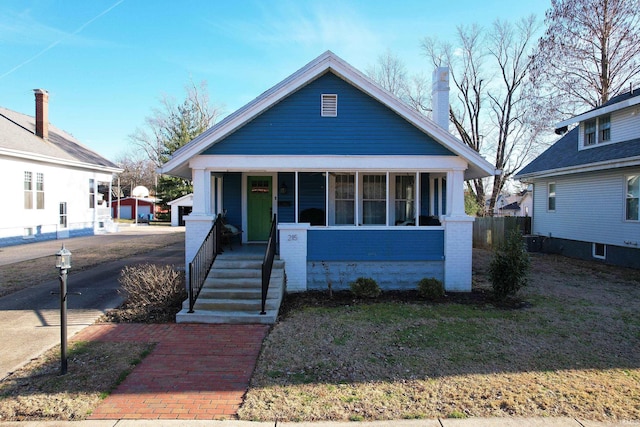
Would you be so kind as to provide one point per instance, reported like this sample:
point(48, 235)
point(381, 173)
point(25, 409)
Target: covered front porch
point(395, 225)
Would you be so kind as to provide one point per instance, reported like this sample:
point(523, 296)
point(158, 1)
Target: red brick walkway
point(195, 371)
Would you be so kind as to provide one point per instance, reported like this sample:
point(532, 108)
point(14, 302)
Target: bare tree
point(171, 127)
point(493, 108)
point(391, 73)
point(137, 170)
point(589, 52)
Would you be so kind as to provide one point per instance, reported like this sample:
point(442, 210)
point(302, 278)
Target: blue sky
point(107, 63)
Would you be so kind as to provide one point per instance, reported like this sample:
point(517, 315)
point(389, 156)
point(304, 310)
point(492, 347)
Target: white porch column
point(199, 222)
point(293, 250)
point(458, 237)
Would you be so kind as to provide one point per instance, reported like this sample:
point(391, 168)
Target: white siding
point(589, 207)
point(61, 184)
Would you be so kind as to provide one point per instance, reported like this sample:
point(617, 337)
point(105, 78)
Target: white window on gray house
point(39, 190)
point(28, 190)
point(599, 251)
point(604, 128)
point(344, 192)
point(92, 193)
point(551, 198)
point(405, 199)
point(633, 196)
point(374, 199)
point(329, 105)
point(590, 132)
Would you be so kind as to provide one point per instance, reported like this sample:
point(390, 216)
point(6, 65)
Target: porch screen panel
point(405, 199)
point(374, 199)
point(345, 199)
point(311, 198)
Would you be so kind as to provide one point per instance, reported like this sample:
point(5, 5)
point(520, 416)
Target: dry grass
point(39, 392)
point(14, 277)
point(571, 351)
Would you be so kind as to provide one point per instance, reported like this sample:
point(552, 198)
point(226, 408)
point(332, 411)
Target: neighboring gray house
point(587, 185)
point(55, 187)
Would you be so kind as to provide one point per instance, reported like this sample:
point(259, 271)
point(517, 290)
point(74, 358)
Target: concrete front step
point(233, 290)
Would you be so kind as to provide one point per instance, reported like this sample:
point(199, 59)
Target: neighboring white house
point(361, 184)
point(587, 185)
point(57, 187)
point(180, 208)
point(519, 204)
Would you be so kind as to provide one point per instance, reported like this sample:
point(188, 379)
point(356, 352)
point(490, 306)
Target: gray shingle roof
point(17, 133)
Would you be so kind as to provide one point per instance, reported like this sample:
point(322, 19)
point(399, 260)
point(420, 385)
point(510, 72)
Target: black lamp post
point(63, 263)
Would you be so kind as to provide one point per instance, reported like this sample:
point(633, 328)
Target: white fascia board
point(593, 167)
point(327, 163)
point(600, 111)
point(57, 161)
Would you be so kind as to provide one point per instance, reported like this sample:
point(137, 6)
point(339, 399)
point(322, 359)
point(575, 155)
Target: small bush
point(509, 267)
point(151, 292)
point(365, 287)
point(430, 288)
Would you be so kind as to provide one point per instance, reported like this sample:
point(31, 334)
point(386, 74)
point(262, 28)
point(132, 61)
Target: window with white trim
point(329, 105)
point(590, 132)
point(632, 205)
point(63, 215)
point(551, 198)
point(599, 250)
point(28, 190)
point(405, 200)
point(39, 190)
point(374, 199)
point(92, 193)
point(604, 128)
point(344, 190)
point(597, 130)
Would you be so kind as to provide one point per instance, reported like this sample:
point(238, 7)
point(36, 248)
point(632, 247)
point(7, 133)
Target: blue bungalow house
point(361, 184)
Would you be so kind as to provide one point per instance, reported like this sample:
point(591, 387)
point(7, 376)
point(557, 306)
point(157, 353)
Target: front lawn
point(570, 350)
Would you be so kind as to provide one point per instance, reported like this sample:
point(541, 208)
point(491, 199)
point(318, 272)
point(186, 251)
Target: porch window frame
point(385, 198)
point(28, 190)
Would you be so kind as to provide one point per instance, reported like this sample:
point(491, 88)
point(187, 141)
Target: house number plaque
point(292, 237)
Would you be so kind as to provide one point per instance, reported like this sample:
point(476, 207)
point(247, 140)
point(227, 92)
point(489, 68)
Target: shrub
point(430, 288)
point(152, 292)
point(509, 267)
point(365, 287)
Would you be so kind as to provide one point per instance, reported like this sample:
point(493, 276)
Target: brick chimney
point(440, 97)
point(42, 113)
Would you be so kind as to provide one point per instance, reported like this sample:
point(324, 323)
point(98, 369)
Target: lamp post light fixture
point(63, 263)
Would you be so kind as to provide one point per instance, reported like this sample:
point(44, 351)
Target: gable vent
point(329, 105)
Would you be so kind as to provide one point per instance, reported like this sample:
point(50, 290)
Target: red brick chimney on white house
point(42, 113)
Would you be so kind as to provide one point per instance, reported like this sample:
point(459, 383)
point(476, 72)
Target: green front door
point(259, 207)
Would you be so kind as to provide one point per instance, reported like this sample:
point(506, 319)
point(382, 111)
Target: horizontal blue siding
point(413, 244)
point(363, 126)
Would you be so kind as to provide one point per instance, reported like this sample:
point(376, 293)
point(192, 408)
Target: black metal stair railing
point(201, 264)
point(267, 263)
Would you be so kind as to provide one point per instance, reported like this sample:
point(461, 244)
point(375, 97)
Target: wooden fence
point(491, 231)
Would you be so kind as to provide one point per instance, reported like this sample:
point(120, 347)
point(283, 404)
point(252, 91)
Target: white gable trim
point(478, 166)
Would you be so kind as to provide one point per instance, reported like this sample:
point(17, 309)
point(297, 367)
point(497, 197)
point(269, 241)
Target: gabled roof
point(514, 206)
point(180, 200)
point(564, 157)
point(18, 139)
point(328, 61)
